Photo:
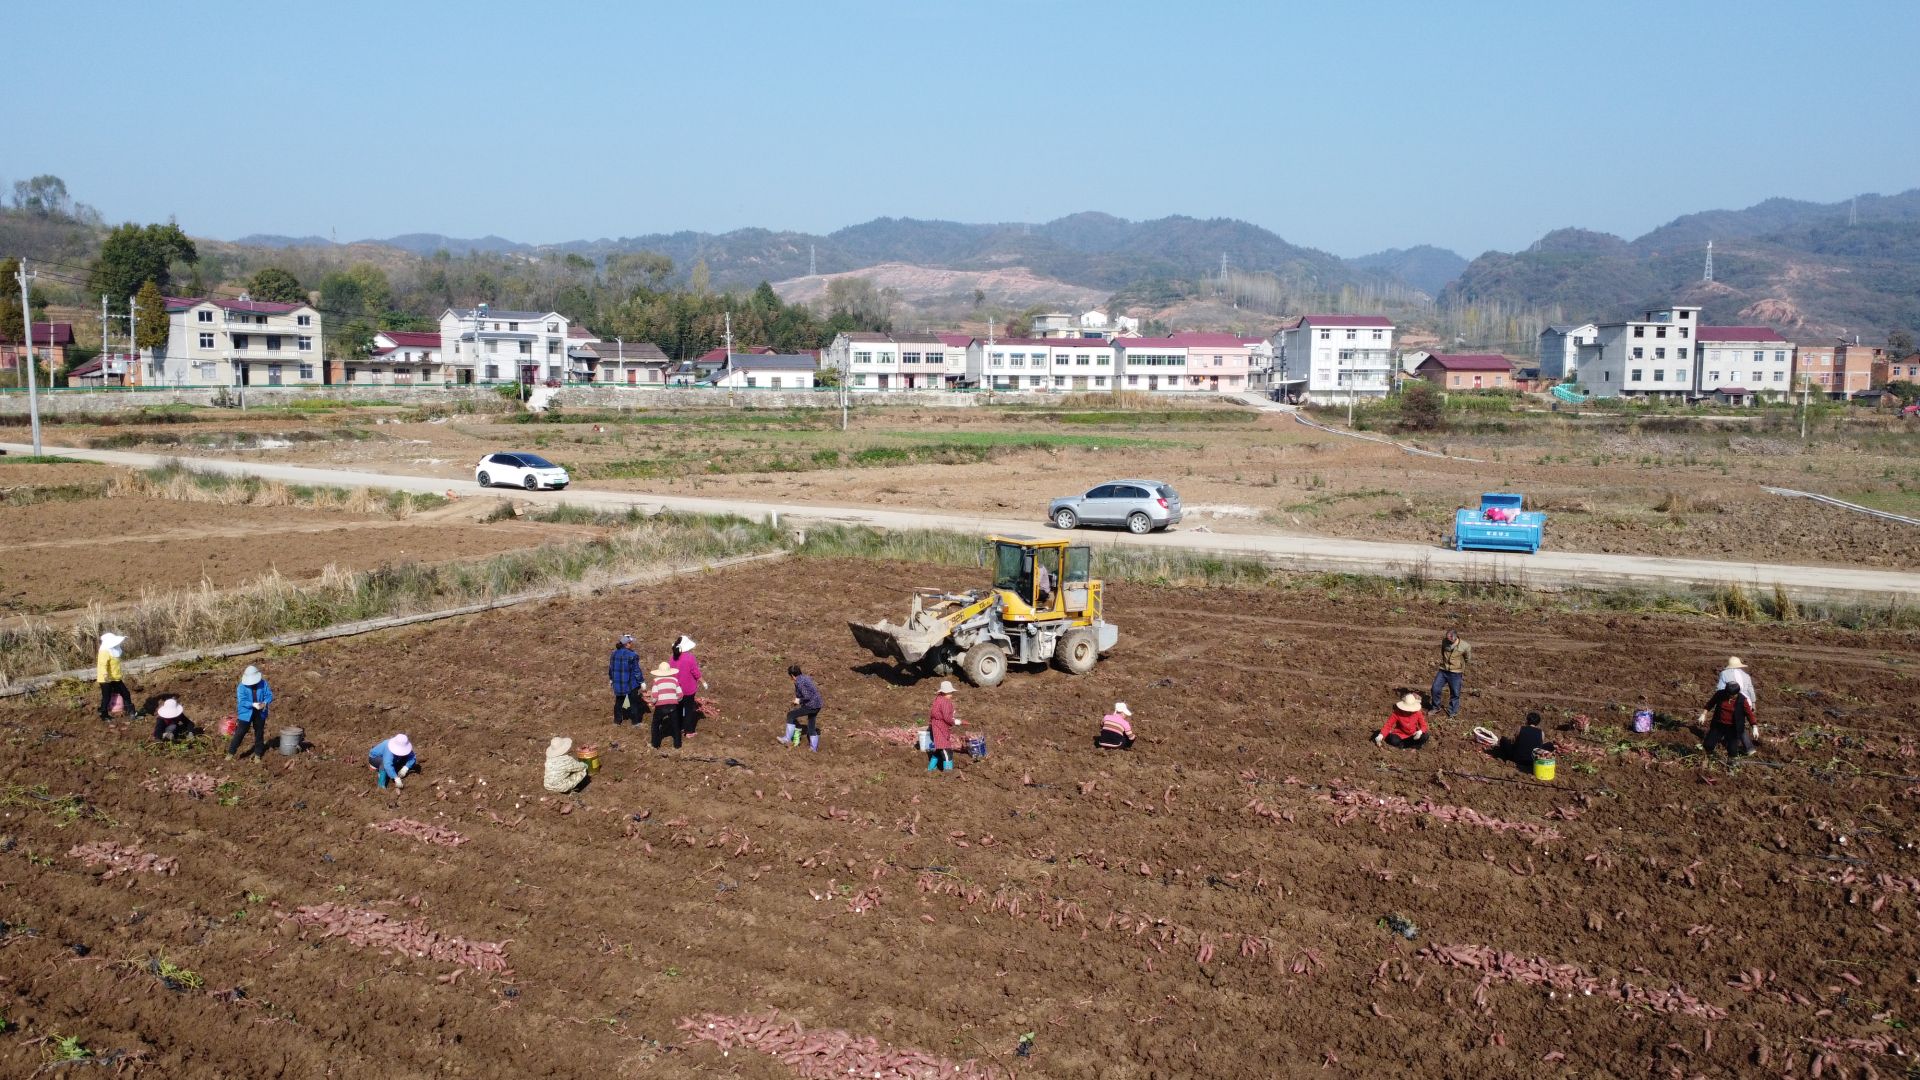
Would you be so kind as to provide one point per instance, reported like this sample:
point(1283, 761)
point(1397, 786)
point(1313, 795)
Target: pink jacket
point(688, 667)
point(940, 720)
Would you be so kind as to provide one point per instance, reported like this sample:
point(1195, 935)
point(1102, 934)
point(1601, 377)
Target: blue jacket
point(389, 765)
point(623, 671)
point(808, 693)
point(246, 696)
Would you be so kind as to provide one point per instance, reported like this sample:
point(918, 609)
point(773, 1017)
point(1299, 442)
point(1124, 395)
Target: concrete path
point(1544, 570)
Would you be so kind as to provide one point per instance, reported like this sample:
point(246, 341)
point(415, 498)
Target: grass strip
point(181, 482)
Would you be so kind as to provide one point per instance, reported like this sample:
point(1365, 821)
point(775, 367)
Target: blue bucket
point(977, 746)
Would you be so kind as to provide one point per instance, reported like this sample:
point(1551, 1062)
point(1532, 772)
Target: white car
point(529, 471)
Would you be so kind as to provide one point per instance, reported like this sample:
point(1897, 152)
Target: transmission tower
point(1708, 276)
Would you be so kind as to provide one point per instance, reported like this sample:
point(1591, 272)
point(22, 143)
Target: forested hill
point(1810, 270)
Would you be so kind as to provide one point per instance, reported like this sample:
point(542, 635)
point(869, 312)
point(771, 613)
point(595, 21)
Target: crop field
point(1254, 891)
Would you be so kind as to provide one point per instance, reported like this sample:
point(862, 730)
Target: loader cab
point(1043, 579)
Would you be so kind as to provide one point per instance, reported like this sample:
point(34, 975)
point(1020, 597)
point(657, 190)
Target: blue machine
point(1471, 529)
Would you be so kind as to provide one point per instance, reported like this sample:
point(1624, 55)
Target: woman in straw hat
point(170, 721)
point(1406, 726)
point(666, 698)
point(1116, 729)
point(392, 760)
point(107, 672)
point(1735, 674)
point(251, 699)
point(940, 724)
point(567, 771)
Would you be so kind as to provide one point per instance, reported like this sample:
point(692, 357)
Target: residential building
point(1216, 363)
point(1560, 348)
point(1735, 358)
point(956, 360)
point(867, 360)
point(505, 346)
point(769, 371)
point(398, 358)
point(1885, 370)
point(1063, 324)
point(1467, 371)
point(243, 342)
point(926, 362)
point(51, 340)
point(1410, 361)
point(1259, 363)
point(1023, 363)
point(582, 361)
point(1652, 356)
point(626, 363)
point(1334, 357)
point(1151, 365)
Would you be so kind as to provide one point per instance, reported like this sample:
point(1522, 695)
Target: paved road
point(1544, 570)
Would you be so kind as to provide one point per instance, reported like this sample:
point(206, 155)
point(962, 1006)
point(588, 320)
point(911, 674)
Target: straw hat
point(400, 745)
point(251, 676)
point(170, 709)
point(1735, 663)
point(1408, 703)
point(626, 639)
point(1121, 708)
point(685, 644)
point(663, 670)
point(559, 746)
point(111, 641)
point(946, 687)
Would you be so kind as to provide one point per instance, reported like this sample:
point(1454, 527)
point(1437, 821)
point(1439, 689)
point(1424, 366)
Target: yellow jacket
point(106, 668)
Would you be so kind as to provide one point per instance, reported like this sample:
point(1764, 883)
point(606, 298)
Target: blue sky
point(1349, 126)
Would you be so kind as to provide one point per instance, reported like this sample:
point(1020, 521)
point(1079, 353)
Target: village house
point(482, 344)
point(1742, 362)
point(1560, 348)
point(867, 360)
point(1652, 356)
point(1467, 371)
point(1334, 357)
point(1839, 371)
point(769, 371)
point(626, 363)
point(243, 342)
point(51, 340)
point(925, 362)
point(398, 358)
point(1886, 370)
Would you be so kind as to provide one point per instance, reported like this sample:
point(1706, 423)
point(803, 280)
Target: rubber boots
point(946, 762)
point(933, 763)
point(813, 743)
point(788, 737)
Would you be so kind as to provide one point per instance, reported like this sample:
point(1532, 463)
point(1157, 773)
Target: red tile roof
point(1347, 320)
point(1468, 361)
point(719, 355)
point(1208, 341)
point(48, 334)
point(957, 341)
point(1149, 343)
point(577, 331)
point(410, 339)
point(1738, 333)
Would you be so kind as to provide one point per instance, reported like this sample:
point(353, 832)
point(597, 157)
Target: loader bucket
point(885, 639)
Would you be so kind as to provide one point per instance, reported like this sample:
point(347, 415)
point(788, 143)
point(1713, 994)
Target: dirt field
point(1211, 904)
point(65, 555)
point(1609, 485)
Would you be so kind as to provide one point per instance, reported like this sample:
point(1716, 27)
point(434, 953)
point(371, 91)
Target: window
point(553, 328)
point(1346, 355)
point(303, 320)
point(526, 348)
point(1679, 375)
point(1660, 353)
point(1758, 356)
point(1759, 377)
point(1637, 372)
point(206, 341)
point(306, 371)
point(1779, 376)
point(1713, 377)
point(1216, 361)
point(493, 347)
point(1659, 374)
point(1082, 360)
point(304, 344)
point(863, 358)
point(1059, 380)
point(1639, 331)
point(860, 379)
point(1683, 331)
point(1101, 359)
point(1134, 380)
point(1659, 331)
point(1353, 335)
point(553, 348)
point(1379, 335)
point(1686, 314)
point(910, 358)
point(938, 358)
point(205, 315)
point(751, 383)
point(240, 342)
point(1639, 353)
point(273, 342)
point(1099, 381)
point(1326, 335)
point(1036, 380)
point(1680, 354)
point(776, 382)
point(1779, 356)
point(514, 326)
point(999, 359)
point(493, 372)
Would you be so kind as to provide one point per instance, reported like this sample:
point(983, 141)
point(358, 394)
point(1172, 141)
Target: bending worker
point(1116, 729)
point(1406, 727)
point(392, 760)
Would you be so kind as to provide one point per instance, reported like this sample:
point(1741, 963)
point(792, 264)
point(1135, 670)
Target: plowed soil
point(1210, 904)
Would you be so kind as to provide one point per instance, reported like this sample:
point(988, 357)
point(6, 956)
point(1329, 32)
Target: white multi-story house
point(1560, 348)
point(1016, 364)
point(236, 343)
point(1743, 362)
point(398, 358)
point(1334, 357)
point(929, 362)
point(504, 346)
point(867, 360)
point(1077, 365)
point(1063, 324)
point(1151, 364)
point(1656, 355)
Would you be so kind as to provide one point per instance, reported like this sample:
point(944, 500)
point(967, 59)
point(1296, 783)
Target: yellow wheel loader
point(1043, 606)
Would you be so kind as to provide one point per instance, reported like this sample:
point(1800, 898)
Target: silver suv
point(1141, 505)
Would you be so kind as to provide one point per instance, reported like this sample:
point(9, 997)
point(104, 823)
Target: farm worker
point(566, 772)
point(1519, 749)
point(1406, 726)
point(806, 705)
point(1043, 581)
point(1735, 674)
point(250, 710)
point(1727, 716)
point(940, 725)
point(393, 760)
point(665, 697)
point(170, 721)
point(1116, 729)
point(623, 674)
point(106, 672)
point(1454, 655)
point(687, 667)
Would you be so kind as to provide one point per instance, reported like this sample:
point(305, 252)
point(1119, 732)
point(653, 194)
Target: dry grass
point(180, 483)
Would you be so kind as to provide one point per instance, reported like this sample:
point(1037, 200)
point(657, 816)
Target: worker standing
point(940, 724)
point(1735, 674)
point(686, 667)
point(1454, 656)
point(107, 672)
point(1406, 726)
point(251, 700)
point(623, 674)
point(806, 706)
point(665, 697)
point(1728, 717)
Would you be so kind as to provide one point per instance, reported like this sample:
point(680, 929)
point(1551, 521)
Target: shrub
point(1420, 406)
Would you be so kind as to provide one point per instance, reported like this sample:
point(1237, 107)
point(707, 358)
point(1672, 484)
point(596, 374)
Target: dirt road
point(1545, 570)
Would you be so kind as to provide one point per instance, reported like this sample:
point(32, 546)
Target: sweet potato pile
point(1497, 966)
point(376, 929)
point(1359, 801)
point(821, 1054)
point(198, 785)
point(420, 830)
point(122, 860)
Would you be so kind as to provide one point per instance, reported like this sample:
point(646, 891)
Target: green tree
point(150, 317)
point(360, 290)
point(277, 285)
point(42, 196)
point(351, 340)
point(13, 321)
point(1899, 345)
point(133, 255)
point(1419, 406)
point(701, 280)
point(1907, 392)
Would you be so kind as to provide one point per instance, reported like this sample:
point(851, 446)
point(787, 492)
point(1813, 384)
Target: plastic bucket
point(229, 725)
point(291, 739)
point(1643, 721)
point(593, 762)
point(924, 741)
point(977, 746)
point(1543, 764)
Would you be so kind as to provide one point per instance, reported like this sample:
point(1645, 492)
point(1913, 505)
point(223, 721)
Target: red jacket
point(940, 720)
point(1405, 725)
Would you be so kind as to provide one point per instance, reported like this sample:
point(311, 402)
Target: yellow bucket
point(593, 762)
point(1542, 765)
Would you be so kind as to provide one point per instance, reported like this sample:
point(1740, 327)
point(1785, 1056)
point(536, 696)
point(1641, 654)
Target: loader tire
point(1077, 652)
point(985, 664)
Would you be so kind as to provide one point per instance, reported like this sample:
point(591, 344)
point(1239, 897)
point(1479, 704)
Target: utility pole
point(103, 328)
point(133, 336)
point(33, 377)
